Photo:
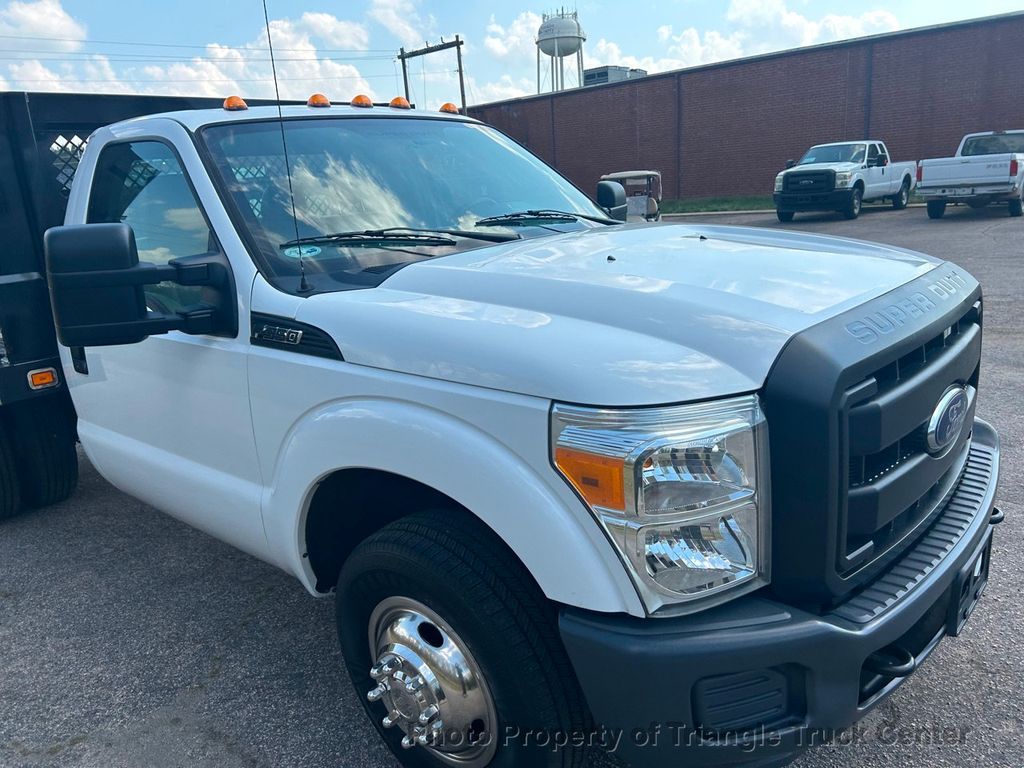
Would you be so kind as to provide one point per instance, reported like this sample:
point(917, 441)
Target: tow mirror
point(96, 288)
point(790, 163)
point(612, 197)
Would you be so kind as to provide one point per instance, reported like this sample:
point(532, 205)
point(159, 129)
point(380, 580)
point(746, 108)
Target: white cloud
point(506, 87)
point(335, 32)
point(518, 39)
point(773, 25)
point(758, 26)
point(401, 19)
point(692, 48)
point(37, 19)
point(220, 70)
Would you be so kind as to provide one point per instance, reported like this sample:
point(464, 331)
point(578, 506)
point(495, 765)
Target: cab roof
point(194, 119)
point(850, 141)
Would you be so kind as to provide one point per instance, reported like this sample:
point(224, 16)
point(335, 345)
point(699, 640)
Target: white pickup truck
point(688, 494)
point(987, 168)
point(840, 177)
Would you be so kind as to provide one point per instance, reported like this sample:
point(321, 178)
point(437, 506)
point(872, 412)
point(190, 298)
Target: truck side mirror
point(96, 288)
point(612, 197)
point(790, 163)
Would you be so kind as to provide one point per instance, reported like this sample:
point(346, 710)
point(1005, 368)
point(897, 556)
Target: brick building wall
point(728, 128)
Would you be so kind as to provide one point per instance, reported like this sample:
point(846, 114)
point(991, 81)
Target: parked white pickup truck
point(840, 177)
point(987, 168)
point(569, 480)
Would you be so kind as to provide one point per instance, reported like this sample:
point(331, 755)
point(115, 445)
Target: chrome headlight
point(682, 492)
point(843, 179)
point(778, 182)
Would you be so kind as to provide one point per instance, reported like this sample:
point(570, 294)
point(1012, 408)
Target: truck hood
point(631, 315)
point(826, 167)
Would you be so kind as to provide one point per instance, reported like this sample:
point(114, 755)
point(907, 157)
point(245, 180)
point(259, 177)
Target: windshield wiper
point(546, 214)
point(399, 235)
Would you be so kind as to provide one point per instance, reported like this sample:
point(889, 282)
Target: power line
point(203, 79)
point(176, 45)
point(189, 59)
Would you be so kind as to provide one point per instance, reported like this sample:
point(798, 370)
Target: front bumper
point(755, 682)
point(812, 201)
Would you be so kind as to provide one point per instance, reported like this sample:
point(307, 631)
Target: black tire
point(10, 489)
point(1017, 206)
point(936, 208)
point(785, 216)
point(852, 209)
point(450, 562)
point(43, 431)
point(902, 197)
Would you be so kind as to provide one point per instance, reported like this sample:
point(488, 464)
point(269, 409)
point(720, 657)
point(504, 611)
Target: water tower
point(560, 35)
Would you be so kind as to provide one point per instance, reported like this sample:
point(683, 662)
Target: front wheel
point(903, 196)
point(785, 216)
point(852, 209)
point(453, 648)
point(936, 208)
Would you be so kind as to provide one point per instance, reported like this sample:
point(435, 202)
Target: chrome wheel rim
point(431, 684)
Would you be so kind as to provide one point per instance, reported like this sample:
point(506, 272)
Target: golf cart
point(643, 192)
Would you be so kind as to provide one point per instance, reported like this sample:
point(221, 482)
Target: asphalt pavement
point(130, 640)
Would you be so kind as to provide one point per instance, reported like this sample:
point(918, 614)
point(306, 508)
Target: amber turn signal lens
point(598, 479)
point(449, 107)
point(362, 100)
point(42, 378)
point(318, 100)
point(400, 102)
point(235, 103)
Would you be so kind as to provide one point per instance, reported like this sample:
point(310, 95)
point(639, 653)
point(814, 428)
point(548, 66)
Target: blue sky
point(199, 47)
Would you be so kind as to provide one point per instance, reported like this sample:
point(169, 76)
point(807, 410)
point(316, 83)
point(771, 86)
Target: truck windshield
point(353, 174)
point(998, 144)
point(834, 153)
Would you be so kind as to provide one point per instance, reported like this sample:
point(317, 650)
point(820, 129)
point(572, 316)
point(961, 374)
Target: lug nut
point(415, 684)
point(390, 719)
point(377, 692)
point(407, 742)
point(428, 714)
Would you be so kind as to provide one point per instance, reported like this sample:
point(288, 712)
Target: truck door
point(875, 184)
point(167, 419)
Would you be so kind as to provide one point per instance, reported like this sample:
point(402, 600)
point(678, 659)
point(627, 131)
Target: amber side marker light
point(362, 100)
point(598, 479)
point(43, 378)
point(318, 100)
point(400, 102)
point(449, 107)
point(235, 104)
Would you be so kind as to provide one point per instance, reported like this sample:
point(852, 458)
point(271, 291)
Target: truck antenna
point(303, 284)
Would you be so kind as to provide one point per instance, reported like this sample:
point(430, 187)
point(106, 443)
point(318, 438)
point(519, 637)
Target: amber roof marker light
point(318, 100)
point(362, 100)
point(235, 104)
point(449, 108)
point(400, 102)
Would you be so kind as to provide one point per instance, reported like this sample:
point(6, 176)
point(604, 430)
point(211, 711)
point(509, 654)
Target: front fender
point(536, 515)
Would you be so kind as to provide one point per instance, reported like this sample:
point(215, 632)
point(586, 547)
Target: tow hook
point(891, 661)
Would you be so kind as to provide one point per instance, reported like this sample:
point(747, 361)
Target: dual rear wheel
point(38, 459)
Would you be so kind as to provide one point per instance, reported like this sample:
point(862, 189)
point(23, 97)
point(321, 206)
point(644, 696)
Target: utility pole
point(404, 56)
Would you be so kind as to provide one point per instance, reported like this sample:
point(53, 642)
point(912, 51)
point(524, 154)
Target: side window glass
point(142, 184)
point(872, 152)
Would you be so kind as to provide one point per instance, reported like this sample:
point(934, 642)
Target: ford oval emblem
point(947, 420)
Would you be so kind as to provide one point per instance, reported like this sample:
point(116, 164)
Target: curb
point(742, 213)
